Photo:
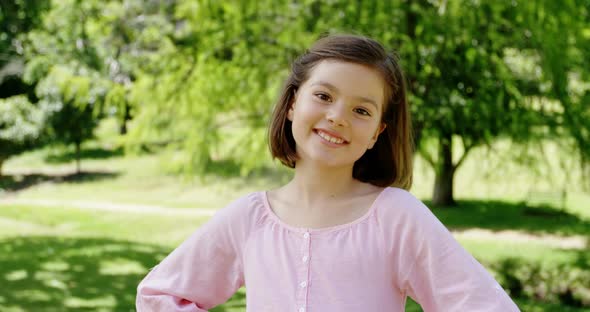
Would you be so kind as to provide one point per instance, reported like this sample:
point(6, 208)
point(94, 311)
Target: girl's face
point(336, 113)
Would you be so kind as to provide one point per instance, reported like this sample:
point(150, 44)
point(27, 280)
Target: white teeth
point(330, 138)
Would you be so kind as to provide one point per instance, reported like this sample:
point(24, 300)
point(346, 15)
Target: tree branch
point(427, 157)
point(467, 148)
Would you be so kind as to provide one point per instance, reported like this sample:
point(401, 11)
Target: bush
point(567, 284)
point(21, 124)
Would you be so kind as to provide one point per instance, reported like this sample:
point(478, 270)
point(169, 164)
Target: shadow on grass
point(19, 182)
point(69, 155)
point(500, 215)
point(76, 274)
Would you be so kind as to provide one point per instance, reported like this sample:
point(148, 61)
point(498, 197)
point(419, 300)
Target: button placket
point(303, 272)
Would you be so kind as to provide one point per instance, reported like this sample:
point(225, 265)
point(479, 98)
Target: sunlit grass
point(493, 250)
point(139, 179)
point(143, 179)
point(61, 221)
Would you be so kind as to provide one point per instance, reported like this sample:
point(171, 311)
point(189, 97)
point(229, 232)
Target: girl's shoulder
point(244, 212)
point(396, 204)
point(402, 216)
point(398, 197)
point(246, 205)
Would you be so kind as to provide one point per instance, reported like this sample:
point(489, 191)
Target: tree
point(78, 61)
point(220, 69)
point(70, 102)
point(113, 41)
point(561, 34)
point(456, 54)
point(192, 72)
point(461, 86)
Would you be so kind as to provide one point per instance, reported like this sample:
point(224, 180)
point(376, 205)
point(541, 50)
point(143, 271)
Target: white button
point(303, 284)
point(302, 309)
point(306, 235)
point(305, 258)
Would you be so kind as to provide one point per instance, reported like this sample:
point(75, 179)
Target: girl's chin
point(327, 162)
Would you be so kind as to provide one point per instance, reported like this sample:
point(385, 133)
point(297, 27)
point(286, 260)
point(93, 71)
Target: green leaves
point(72, 102)
point(21, 124)
point(185, 74)
point(20, 121)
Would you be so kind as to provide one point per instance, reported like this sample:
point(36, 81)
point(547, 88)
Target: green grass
point(67, 222)
point(67, 259)
point(63, 258)
point(493, 250)
point(504, 215)
point(55, 273)
point(146, 179)
point(136, 179)
point(98, 274)
point(110, 252)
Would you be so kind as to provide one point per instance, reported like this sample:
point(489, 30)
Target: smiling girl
point(344, 234)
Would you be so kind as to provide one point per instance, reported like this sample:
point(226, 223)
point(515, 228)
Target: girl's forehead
point(348, 79)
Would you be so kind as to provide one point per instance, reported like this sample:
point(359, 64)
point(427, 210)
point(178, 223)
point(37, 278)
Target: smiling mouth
point(330, 138)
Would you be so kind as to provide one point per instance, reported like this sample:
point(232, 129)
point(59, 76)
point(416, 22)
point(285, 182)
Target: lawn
point(65, 255)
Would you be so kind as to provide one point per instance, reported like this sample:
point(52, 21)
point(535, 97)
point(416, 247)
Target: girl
point(337, 237)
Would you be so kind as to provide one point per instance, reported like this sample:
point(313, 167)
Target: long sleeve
point(204, 271)
point(435, 270)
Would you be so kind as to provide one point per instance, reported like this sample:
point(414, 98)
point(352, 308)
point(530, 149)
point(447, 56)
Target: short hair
point(389, 162)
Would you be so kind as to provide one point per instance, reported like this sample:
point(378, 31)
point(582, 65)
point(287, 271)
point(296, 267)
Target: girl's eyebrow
point(334, 89)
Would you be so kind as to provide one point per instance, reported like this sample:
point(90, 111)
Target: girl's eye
point(322, 96)
point(362, 111)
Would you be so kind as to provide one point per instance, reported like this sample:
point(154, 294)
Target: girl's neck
point(313, 184)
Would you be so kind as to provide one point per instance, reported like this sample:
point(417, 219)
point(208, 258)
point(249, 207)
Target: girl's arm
point(204, 271)
point(435, 270)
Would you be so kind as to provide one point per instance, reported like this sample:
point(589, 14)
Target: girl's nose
point(337, 114)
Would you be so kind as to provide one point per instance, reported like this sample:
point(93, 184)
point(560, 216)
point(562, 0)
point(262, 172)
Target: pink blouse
point(397, 249)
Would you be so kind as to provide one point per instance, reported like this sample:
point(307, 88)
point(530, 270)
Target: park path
point(109, 206)
point(569, 242)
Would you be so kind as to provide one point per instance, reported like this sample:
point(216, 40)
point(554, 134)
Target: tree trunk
point(126, 118)
point(123, 127)
point(78, 158)
point(1, 163)
point(445, 171)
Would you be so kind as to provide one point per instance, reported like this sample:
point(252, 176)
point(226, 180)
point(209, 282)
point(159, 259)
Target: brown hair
point(389, 162)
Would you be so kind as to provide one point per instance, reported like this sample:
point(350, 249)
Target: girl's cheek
point(310, 109)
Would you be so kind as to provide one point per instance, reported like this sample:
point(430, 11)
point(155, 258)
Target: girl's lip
point(332, 134)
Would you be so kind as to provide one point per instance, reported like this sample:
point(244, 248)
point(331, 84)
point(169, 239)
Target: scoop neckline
point(271, 213)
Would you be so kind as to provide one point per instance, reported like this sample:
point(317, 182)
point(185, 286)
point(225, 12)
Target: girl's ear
point(382, 127)
point(290, 112)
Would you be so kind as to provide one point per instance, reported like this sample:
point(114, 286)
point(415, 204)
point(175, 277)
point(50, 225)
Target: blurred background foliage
point(198, 78)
